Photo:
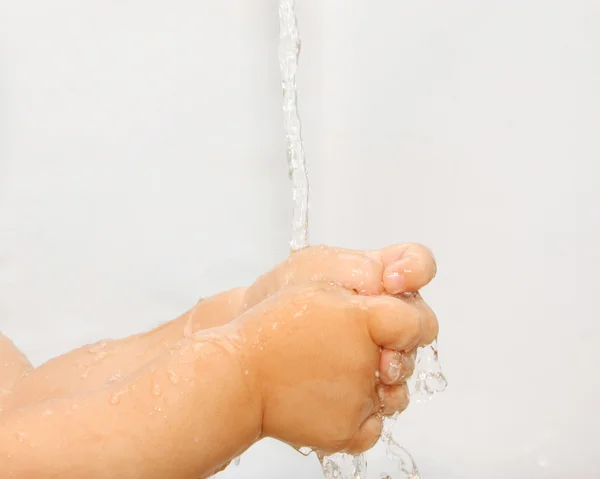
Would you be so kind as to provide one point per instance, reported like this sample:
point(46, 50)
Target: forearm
point(94, 365)
point(184, 415)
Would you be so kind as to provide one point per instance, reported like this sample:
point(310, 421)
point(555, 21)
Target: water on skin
point(115, 398)
point(98, 352)
point(173, 376)
point(156, 390)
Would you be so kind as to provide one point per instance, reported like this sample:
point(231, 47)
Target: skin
point(270, 360)
point(13, 367)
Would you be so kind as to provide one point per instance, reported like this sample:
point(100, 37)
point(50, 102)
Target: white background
point(142, 165)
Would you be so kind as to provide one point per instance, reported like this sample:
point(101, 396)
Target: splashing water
point(289, 51)
point(428, 378)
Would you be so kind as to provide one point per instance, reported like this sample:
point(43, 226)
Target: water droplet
point(305, 451)
point(173, 377)
point(246, 372)
point(380, 393)
point(236, 461)
point(156, 390)
point(21, 436)
point(116, 397)
point(115, 377)
point(301, 312)
point(47, 412)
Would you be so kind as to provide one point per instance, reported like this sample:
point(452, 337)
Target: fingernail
point(393, 371)
point(394, 281)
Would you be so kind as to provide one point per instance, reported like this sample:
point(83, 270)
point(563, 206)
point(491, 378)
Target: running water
point(428, 378)
point(289, 51)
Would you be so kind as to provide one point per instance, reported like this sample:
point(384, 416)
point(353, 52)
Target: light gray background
point(142, 165)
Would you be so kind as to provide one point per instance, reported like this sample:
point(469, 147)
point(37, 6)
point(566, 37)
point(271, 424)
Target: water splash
point(390, 457)
point(398, 463)
point(344, 466)
point(428, 378)
point(289, 51)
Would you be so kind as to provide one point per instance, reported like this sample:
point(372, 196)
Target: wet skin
point(273, 360)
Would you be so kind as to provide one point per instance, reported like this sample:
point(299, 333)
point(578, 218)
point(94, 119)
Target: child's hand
point(393, 270)
point(313, 352)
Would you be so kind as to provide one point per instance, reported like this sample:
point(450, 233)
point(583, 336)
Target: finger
point(395, 398)
point(392, 322)
point(395, 367)
point(408, 267)
point(367, 435)
point(428, 318)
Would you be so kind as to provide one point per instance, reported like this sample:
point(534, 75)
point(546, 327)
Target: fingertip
point(408, 268)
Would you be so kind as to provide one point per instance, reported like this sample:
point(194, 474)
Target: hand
point(393, 270)
point(312, 353)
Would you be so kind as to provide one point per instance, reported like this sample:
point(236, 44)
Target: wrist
point(250, 392)
point(224, 370)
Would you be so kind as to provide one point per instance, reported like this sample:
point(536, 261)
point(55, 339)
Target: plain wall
point(142, 165)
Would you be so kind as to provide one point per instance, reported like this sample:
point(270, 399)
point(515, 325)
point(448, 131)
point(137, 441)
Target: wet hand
point(313, 354)
point(392, 270)
point(395, 270)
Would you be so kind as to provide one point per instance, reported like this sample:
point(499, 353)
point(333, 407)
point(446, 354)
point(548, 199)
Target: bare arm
point(93, 366)
point(184, 415)
point(279, 370)
point(13, 366)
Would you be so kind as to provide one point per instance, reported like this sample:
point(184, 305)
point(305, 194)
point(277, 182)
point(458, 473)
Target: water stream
point(289, 51)
point(428, 378)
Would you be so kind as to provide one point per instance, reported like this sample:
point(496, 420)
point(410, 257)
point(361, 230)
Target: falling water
point(428, 378)
point(289, 51)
